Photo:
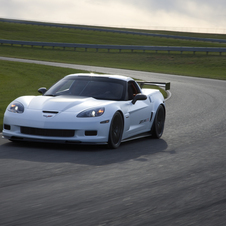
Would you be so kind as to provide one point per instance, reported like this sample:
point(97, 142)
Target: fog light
point(7, 127)
point(90, 132)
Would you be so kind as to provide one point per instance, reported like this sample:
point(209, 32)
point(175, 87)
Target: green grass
point(18, 79)
point(51, 34)
point(199, 65)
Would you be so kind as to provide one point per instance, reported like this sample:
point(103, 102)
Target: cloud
point(121, 13)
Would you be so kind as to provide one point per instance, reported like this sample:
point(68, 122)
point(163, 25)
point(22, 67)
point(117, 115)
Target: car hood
point(61, 103)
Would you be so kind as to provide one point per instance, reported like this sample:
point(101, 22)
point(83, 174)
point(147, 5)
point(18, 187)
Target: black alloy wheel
point(116, 131)
point(159, 122)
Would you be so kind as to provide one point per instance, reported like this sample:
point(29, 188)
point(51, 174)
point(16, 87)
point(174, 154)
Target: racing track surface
point(177, 180)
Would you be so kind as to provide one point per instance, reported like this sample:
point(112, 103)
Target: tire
point(159, 122)
point(116, 131)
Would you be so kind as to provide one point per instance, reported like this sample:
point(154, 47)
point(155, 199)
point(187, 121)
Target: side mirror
point(139, 96)
point(42, 90)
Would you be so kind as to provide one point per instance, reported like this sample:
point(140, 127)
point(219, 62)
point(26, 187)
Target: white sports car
point(87, 108)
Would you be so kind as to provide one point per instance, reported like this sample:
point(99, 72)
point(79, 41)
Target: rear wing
point(165, 85)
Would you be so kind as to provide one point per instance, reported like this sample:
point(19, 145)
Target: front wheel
point(159, 122)
point(116, 131)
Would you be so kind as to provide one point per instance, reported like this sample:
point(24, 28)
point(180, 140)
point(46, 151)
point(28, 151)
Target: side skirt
point(142, 135)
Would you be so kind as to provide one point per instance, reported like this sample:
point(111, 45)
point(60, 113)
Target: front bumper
point(62, 128)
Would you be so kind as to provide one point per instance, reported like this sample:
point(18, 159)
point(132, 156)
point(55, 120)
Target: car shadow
point(97, 155)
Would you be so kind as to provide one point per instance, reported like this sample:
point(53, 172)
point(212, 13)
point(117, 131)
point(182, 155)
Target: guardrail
point(114, 31)
point(114, 47)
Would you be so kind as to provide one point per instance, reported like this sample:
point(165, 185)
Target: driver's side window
point(132, 90)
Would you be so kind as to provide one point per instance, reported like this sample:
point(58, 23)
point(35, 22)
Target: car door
point(138, 114)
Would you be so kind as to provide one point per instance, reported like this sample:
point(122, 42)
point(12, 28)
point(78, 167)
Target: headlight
point(16, 107)
point(92, 113)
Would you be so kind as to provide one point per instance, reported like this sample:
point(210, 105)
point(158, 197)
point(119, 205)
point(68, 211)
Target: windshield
point(88, 86)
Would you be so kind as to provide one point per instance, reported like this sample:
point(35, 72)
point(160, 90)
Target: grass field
point(52, 34)
point(18, 79)
point(201, 65)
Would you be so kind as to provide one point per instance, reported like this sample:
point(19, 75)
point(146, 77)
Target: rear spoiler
point(165, 85)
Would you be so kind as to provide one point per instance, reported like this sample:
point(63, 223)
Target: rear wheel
point(116, 131)
point(159, 122)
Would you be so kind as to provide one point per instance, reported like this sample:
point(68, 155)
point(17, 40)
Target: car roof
point(119, 77)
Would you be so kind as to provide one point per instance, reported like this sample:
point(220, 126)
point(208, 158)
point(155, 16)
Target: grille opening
point(47, 132)
point(90, 132)
point(8, 127)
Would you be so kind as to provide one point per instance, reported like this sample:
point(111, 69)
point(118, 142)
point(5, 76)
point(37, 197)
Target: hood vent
point(51, 112)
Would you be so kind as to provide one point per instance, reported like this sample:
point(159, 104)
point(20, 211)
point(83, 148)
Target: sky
point(183, 15)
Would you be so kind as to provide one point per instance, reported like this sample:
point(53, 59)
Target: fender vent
point(151, 116)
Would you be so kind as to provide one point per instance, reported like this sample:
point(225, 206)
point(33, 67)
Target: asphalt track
point(177, 180)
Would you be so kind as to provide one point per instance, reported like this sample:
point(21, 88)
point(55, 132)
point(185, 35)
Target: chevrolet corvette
point(87, 108)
